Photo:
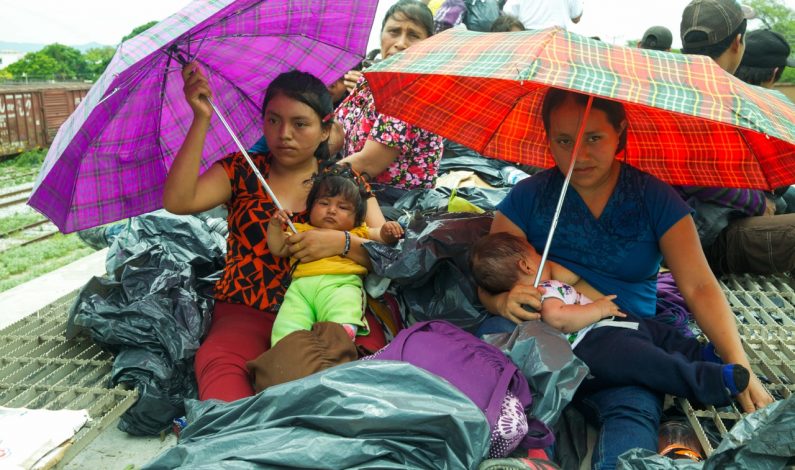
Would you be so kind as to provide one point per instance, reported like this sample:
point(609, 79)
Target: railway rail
point(29, 233)
point(16, 196)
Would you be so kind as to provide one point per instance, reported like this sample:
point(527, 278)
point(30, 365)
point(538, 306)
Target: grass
point(21, 264)
point(18, 220)
point(17, 170)
point(30, 160)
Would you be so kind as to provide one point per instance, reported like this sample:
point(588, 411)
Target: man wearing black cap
point(658, 38)
point(738, 229)
point(715, 28)
point(766, 55)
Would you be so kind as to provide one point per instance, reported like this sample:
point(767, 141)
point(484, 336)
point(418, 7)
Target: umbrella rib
point(756, 157)
point(222, 18)
point(231, 83)
point(505, 118)
point(319, 41)
point(160, 142)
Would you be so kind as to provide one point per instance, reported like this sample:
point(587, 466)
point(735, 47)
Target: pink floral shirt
point(418, 162)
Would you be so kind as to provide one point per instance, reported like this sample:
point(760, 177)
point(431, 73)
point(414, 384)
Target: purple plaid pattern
point(748, 201)
point(110, 158)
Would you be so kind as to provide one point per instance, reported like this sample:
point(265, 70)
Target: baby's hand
point(607, 308)
point(391, 232)
point(280, 218)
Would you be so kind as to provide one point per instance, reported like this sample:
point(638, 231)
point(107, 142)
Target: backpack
point(481, 14)
point(479, 370)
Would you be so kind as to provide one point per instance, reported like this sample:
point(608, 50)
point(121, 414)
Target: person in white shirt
point(539, 14)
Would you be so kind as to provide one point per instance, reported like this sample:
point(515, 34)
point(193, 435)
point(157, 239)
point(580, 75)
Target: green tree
point(74, 64)
point(139, 30)
point(780, 18)
point(97, 59)
point(36, 66)
point(54, 62)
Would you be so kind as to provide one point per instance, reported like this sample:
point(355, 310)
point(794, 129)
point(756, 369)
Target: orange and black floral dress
point(252, 275)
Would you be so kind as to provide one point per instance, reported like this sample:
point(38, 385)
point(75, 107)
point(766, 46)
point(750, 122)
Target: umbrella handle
point(177, 55)
point(577, 144)
point(250, 163)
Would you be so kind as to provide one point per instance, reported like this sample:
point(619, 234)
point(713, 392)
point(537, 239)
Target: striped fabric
point(689, 121)
point(110, 159)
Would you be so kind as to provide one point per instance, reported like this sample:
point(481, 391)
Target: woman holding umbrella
point(297, 112)
point(614, 229)
point(394, 154)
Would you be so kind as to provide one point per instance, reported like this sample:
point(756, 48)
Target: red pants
point(238, 334)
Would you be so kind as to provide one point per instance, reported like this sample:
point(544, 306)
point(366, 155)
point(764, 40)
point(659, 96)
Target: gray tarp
point(430, 271)
point(545, 358)
point(364, 414)
point(763, 440)
point(152, 311)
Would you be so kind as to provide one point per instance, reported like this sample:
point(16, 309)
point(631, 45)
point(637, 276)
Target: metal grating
point(764, 307)
point(41, 369)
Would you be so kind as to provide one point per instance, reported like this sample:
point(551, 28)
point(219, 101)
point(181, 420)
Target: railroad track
point(38, 223)
point(15, 197)
point(15, 176)
point(16, 238)
point(28, 234)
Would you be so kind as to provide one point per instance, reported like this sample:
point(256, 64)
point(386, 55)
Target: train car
point(30, 115)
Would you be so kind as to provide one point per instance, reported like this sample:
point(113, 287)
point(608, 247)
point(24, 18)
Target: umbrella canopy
point(689, 121)
point(110, 158)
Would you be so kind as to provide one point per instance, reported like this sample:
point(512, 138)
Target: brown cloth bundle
point(303, 353)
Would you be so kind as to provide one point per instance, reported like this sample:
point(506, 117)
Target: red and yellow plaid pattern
point(689, 121)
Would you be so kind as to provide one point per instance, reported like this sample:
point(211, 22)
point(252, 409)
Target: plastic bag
point(430, 271)
point(545, 358)
point(436, 200)
point(153, 311)
point(764, 439)
point(364, 414)
point(481, 14)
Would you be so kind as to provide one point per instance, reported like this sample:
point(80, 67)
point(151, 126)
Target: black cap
point(718, 19)
point(658, 38)
point(766, 49)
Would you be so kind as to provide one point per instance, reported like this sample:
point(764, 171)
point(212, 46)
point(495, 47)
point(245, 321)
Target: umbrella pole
point(178, 56)
point(562, 196)
point(250, 163)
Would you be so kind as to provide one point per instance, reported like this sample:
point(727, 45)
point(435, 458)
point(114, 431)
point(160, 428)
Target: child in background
point(629, 351)
point(330, 289)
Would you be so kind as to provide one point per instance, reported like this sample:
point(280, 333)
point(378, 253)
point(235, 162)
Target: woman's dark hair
point(494, 260)
point(758, 75)
point(308, 89)
point(714, 50)
point(340, 180)
point(413, 10)
point(614, 110)
point(505, 23)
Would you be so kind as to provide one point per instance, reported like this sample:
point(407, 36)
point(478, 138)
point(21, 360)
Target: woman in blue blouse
point(615, 227)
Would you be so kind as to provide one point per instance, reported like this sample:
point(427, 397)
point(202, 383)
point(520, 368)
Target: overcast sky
point(107, 21)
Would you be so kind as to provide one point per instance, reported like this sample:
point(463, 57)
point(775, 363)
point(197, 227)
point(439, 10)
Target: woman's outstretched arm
point(186, 192)
point(683, 254)
point(323, 243)
point(374, 158)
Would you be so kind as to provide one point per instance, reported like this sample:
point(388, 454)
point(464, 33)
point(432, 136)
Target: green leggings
point(337, 298)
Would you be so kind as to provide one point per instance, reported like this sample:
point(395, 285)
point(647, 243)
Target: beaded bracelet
point(347, 243)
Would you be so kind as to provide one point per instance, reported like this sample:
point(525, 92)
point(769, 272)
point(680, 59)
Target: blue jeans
point(495, 324)
point(626, 417)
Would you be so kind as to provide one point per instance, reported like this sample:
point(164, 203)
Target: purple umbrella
point(110, 159)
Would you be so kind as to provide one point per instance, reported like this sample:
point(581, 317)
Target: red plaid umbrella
point(689, 121)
